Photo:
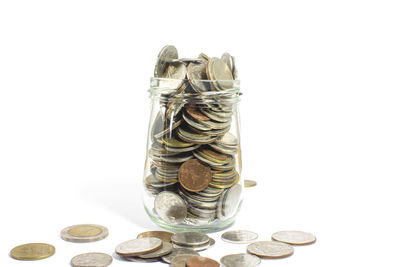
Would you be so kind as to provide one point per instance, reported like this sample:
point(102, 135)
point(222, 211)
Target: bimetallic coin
point(164, 250)
point(239, 236)
point(163, 235)
point(179, 251)
point(194, 176)
point(180, 260)
point(33, 251)
point(170, 207)
point(166, 54)
point(249, 183)
point(294, 237)
point(198, 261)
point(190, 239)
point(240, 260)
point(270, 249)
point(91, 259)
point(139, 246)
point(84, 233)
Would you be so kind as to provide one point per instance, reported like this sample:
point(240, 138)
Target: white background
point(320, 120)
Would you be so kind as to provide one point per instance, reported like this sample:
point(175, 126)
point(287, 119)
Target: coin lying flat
point(33, 251)
point(164, 250)
point(170, 207)
point(180, 260)
point(294, 237)
point(91, 259)
point(249, 183)
point(84, 233)
point(138, 259)
point(140, 246)
point(239, 236)
point(270, 249)
point(178, 251)
point(190, 239)
point(163, 235)
point(194, 176)
point(240, 260)
point(205, 246)
point(199, 261)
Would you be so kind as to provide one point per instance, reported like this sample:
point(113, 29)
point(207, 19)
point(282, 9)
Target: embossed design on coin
point(140, 246)
point(163, 235)
point(240, 260)
point(270, 249)
point(239, 236)
point(199, 261)
point(170, 207)
point(167, 53)
point(196, 73)
point(180, 260)
point(294, 237)
point(190, 238)
point(194, 176)
point(219, 72)
point(179, 251)
point(33, 251)
point(84, 233)
point(164, 250)
point(91, 259)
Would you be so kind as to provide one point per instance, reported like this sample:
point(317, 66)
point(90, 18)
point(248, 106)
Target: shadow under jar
point(192, 176)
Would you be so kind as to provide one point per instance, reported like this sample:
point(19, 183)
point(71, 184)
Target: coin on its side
point(249, 183)
point(294, 237)
point(194, 176)
point(180, 260)
point(91, 259)
point(179, 251)
point(170, 207)
point(33, 251)
point(84, 233)
point(163, 235)
point(167, 53)
point(197, 76)
point(205, 246)
point(140, 246)
point(219, 72)
point(199, 261)
point(270, 249)
point(164, 250)
point(190, 239)
point(240, 260)
point(239, 236)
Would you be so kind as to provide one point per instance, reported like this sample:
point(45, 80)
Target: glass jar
point(192, 175)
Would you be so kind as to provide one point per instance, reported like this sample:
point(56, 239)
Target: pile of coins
point(194, 168)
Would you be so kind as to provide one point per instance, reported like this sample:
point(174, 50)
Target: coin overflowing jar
point(192, 177)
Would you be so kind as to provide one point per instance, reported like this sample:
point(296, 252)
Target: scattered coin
point(140, 246)
point(164, 250)
point(180, 260)
point(138, 259)
point(239, 236)
point(240, 260)
point(170, 207)
point(179, 251)
point(84, 233)
point(199, 261)
point(33, 251)
point(194, 176)
point(190, 239)
point(91, 259)
point(294, 237)
point(249, 183)
point(163, 235)
point(270, 249)
point(205, 246)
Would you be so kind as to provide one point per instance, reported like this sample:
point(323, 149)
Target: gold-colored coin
point(163, 235)
point(84, 231)
point(33, 251)
point(249, 183)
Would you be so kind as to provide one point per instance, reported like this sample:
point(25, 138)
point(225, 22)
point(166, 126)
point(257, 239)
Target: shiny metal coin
point(197, 76)
point(249, 183)
point(294, 237)
point(187, 60)
point(198, 261)
point(227, 140)
point(33, 251)
point(170, 207)
point(208, 245)
point(239, 236)
point(240, 260)
point(173, 142)
point(180, 260)
point(162, 127)
point(190, 238)
point(164, 250)
point(194, 138)
point(204, 56)
point(166, 54)
point(91, 259)
point(84, 233)
point(227, 58)
point(179, 251)
point(139, 246)
point(138, 259)
point(174, 76)
point(163, 235)
point(229, 202)
point(224, 149)
point(270, 249)
point(219, 72)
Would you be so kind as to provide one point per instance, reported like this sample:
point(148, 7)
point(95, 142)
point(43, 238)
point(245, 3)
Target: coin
point(240, 260)
point(197, 76)
point(195, 113)
point(170, 207)
point(194, 176)
point(227, 58)
point(179, 251)
point(81, 233)
point(219, 72)
point(205, 246)
point(164, 250)
point(33, 251)
point(139, 246)
point(174, 76)
point(239, 236)
point(91, 259)
point(230, 201)
point(294, 237)
point(138, 259)
point(180, 260)
point(163, 235)
point(249, 183)
point(270, 249)
point(167, 53)
point(190, 238)
point(199, 261)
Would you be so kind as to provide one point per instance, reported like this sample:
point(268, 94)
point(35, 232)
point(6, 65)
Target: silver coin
point(190, 238)
point(197, 76)
point(166, 54)
point(174, 76)
point(220, 73)
point(227, 58)
point(204, 56)
point(91, 259)
point(208, 245)
point(270, 249)
point(82, 233)
point(164, 250)
point(179, 251)
point(180, 260)
point(224, 149)
point(139, 246)
point(170, 207)
point(195, 138)
point(239, 236)
point(294, 237)
point(197, 60)
point(240, 260)
point(227, 140)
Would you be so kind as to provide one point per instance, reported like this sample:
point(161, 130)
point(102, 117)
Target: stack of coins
point(192, 154)
point(192, 240)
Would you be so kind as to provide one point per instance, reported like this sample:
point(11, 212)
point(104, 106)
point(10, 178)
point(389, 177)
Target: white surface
point(320, 120)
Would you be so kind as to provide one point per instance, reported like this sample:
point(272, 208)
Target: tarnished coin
point(140, 246)
point(240, 260)
point(180, 260)
point(170, 207)
point(163, 235)
point(239, 236)
point(249, 183)
point(178, 251)
point(164, 250)
point(167, 53)
point(81, 233)
point(199, 261)
point(33, 251)
point(195, 113)
point(294, 237)
point(91, 259)
point(270, 249)
point(194, 176)
point(190, 239)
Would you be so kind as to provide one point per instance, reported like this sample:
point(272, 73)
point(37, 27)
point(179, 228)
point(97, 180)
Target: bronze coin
point(194, 176)
point(198, 261)
point(215, 155)
point(196, 114)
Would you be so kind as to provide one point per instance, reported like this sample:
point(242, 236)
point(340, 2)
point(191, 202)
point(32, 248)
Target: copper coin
point(196, 114)
point(194, 176)
point(215, 155)
point(198, 261)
